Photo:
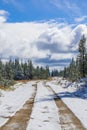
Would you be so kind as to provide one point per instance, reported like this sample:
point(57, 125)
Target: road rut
point(68, 120)
point(20, 119)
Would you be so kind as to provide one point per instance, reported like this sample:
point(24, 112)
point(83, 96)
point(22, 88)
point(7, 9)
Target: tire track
point(68, 120)
point(20, 119)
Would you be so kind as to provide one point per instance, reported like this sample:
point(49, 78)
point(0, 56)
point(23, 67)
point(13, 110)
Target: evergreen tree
point(72, 70)
point(41, 72)
point(54, 73)
point(86, 64)
point(18, 70)
point(8, 71)
point(1, 66)
point(65, 73)
point(25, 70)
point(47, 72)
point(30, 69)
point(37, 73)
point(81, 57)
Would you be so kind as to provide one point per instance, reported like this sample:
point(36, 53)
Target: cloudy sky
point(46, 31)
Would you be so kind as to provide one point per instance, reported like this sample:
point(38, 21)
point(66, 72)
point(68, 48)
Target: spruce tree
point(86, 64)
point(30, 69)
point(81, 56)
point(72, 70)
point(47, 73)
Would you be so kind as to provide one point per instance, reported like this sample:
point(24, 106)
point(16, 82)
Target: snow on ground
point(74, 95)
point(45, 112)
point(12, 101)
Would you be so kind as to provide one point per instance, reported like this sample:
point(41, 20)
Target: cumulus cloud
point(80, 19)
point(62, 56)
point(45, 42)
point(18, 39)
point(61, 39)
point(3, 16)
point(3, 12)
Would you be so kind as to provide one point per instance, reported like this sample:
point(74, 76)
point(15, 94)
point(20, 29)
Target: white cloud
point(3, 12)
point(72, 6)
point(44, 40)
point(62, 56)
point(18, 39)
point(67, 6)
point(2, 19)
point(3, 16)
point(80, 19)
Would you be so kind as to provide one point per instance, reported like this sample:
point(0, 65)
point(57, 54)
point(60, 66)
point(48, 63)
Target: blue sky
point(50, 29)
point(34, 10)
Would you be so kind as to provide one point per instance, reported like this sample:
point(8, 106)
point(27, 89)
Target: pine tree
point(47, 72)
point(30, 69)
point(52, 73)
point(65, 73)
point(72, 70)
point(8, 71)
point(1, 66)
point(81, 57)
point(18, 70)
point(86, 64)
point(25, 70)
point(37, 73)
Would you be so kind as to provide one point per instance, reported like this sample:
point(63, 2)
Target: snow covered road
point(13, 101)
point(43, 111)
point(72, 97)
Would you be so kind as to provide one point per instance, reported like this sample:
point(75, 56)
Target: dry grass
point(7, 88)
point(22, 81)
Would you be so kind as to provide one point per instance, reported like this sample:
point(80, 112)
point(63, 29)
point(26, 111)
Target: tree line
point(14, 70)
point(77, 68)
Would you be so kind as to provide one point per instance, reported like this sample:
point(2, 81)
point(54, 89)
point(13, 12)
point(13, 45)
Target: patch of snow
point(12, 101)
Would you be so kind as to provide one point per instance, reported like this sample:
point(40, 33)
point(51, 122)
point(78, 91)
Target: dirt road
point(68, 120)
point(20, 119)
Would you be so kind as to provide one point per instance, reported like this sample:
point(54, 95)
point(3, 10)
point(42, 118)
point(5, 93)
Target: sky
point(46, 31)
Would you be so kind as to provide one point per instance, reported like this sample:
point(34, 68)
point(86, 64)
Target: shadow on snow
point(82, 94)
